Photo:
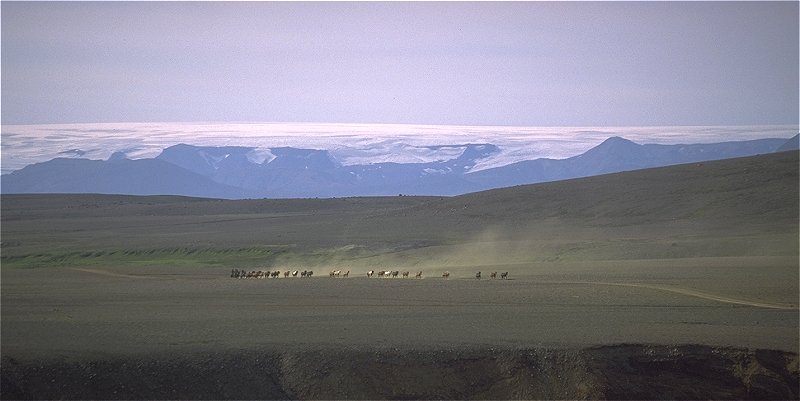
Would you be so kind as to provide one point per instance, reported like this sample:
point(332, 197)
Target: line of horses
point(392, 274)
point(493, 275)
point(236, 273)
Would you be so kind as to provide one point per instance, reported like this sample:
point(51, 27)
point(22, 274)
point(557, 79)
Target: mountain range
point(235, 172)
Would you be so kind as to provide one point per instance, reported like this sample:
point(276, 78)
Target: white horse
point(369, 273)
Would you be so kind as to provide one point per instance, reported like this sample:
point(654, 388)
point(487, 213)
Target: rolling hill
point(735, 207)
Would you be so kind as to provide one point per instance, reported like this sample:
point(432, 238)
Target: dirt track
point(682, 291)
point(692, 293)
point(111, 274)
point(133, 310)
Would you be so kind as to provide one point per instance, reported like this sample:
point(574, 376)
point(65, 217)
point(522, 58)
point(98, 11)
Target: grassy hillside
point(737, 207)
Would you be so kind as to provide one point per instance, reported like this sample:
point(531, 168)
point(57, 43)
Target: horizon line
point(396, 124)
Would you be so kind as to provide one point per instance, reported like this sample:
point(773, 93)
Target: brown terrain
point(669, 283)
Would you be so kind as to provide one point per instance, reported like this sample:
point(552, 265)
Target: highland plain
point(688, 274)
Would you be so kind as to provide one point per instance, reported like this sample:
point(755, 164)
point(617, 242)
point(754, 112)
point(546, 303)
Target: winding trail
point(111, 274)
point(675, 290)
point(691, 293)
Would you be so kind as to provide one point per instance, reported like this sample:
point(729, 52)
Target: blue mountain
point(240, 172)
point(114, 176)
point(792, 144)
point(616, 155)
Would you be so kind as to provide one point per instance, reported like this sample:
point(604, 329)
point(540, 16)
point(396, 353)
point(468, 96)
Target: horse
point(381, 273)
point(370, 273)
point(294, 273)
point(493, 275)
point(395, 273)
point(286, 274)
point(446, 275)
point(478, 275)
point(347, 273)
point(275, 274)
point(419, 275)
point(304, 273)
point(310, 273)
point(405, 274)
point(504, 275)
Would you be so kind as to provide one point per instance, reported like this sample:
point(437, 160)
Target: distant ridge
point(115, 176)
point(236, 172)
point(618, 154)
point(792, 144)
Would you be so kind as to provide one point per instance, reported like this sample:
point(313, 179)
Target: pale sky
point(475, 63)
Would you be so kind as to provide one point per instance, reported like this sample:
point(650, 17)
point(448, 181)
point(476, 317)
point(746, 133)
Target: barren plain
point(678, 282)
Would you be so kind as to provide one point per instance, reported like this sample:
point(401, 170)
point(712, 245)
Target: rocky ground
point(608, 372)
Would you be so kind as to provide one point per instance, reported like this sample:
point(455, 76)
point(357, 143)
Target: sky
point(451, 63)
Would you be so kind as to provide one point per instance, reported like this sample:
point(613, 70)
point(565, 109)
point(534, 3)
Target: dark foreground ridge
point(606, 372)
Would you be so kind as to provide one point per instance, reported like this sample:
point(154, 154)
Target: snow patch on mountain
point(348, 144)
point(260, 156)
